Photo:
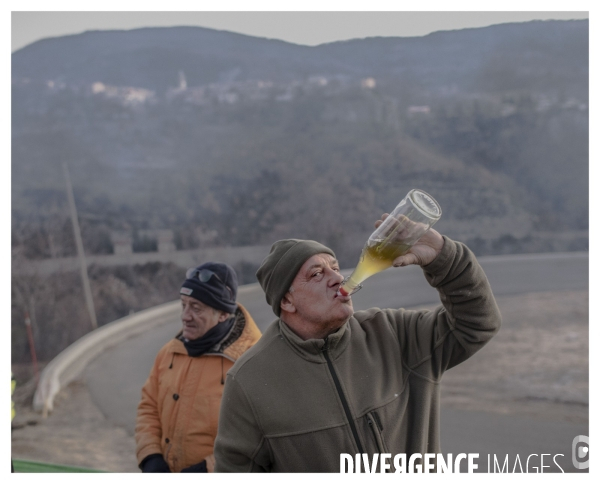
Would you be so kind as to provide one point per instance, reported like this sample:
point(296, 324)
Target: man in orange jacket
point(177, 417)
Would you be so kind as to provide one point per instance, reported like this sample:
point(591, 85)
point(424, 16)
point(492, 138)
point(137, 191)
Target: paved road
point(115, 378)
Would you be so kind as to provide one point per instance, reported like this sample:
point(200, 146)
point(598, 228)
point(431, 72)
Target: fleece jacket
point(373, 386)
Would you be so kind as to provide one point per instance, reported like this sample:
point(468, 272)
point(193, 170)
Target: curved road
point(115, 378)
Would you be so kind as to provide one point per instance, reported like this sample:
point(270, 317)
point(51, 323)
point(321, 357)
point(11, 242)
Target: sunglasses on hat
point(204, 275)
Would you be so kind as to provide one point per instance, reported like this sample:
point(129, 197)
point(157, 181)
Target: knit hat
point(213, 283)
point(278, 270)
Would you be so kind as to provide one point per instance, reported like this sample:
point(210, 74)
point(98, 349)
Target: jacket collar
point(312, 349)
point(243, 334)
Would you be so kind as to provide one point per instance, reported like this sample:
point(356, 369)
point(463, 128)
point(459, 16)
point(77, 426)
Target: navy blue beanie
point(214, 292)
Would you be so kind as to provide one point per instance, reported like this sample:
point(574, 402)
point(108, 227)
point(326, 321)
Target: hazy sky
point(307, 27)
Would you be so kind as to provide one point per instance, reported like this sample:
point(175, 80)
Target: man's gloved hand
point(154, 463)
point(200, 467)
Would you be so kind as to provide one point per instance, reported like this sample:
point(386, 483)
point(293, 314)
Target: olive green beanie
point(278, 270)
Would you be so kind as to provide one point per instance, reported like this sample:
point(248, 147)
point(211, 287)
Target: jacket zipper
point(338, 387)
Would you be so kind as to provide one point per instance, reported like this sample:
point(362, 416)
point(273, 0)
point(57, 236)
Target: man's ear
point(223, 316)
point(287, 304)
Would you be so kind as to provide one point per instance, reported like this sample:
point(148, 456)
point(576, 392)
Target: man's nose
point(337, 278)
point(186, 314)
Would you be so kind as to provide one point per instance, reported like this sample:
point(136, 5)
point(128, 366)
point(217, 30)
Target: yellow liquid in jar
point(374, 258)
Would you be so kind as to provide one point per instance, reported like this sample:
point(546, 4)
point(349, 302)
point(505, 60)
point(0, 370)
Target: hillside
point(538, 54)
point(196, 130)
point(220, 139)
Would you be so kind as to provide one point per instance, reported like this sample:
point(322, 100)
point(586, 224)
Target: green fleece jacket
point(291, 405)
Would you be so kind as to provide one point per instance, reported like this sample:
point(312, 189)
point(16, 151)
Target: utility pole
point(32, 348)
point(79, 243)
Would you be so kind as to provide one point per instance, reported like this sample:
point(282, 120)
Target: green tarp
point(30, 466)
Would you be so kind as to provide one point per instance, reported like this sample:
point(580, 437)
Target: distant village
point(232, 92)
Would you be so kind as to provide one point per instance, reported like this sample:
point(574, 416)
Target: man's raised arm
point(433, 341)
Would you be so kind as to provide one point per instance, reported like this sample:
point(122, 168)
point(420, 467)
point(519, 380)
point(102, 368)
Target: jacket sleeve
point(240, 445)
point(148, 430)
point(434, 341)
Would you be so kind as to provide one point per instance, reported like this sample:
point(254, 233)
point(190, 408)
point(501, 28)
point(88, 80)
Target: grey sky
point(309, 28)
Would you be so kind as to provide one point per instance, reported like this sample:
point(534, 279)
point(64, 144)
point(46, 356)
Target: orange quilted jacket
point(179, 411)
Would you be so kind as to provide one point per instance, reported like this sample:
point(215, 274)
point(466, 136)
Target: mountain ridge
point(184, 48)
point(247, 125)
